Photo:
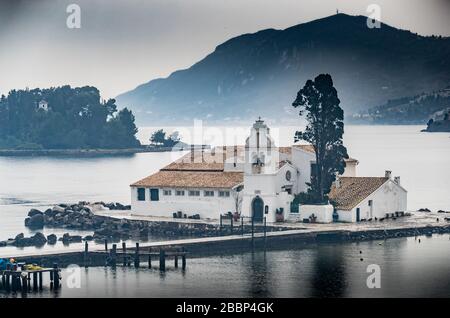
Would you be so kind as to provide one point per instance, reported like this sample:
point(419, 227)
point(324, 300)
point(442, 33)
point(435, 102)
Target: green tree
point(325, 128)
point(76, 118)
point(158, 138)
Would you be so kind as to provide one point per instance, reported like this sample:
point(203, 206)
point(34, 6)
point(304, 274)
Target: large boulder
point(35, 222)
point(37, 239)
point(19, 236)
point(67, 238)
point(34, 212)
point(59, 208)
point(88, 238)
point(50, 212)
point(51, 239)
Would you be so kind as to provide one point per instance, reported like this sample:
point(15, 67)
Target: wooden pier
point(135, 255)
point(15, 279)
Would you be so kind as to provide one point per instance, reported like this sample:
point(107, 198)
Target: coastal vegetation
point(160, 138)
point(319, 101)
point(64, 118)
point(411, 110)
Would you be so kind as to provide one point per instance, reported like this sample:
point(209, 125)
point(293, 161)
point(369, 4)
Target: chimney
point(387, 174)
point(397, 180)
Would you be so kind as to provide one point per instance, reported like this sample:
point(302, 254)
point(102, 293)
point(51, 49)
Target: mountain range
point(259, 74)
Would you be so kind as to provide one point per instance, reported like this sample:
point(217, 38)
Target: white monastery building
point(261, 180)
point(43, 105)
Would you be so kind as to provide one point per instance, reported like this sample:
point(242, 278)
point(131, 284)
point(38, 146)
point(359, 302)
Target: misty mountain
point(259, 74)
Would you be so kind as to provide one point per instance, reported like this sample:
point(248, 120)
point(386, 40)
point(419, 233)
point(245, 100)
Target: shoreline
point(83, 152)
point(113, 223)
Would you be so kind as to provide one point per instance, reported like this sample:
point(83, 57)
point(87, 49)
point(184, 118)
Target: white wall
point(302, 161)
point(207, 207)
point(389, 198)
point(272, 201)
point(323, 213)
point(350, 169)
point(268, 188)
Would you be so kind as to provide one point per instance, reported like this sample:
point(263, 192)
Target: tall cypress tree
point(319, 100)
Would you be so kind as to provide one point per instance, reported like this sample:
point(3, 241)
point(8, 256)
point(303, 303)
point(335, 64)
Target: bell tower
point(260, 150)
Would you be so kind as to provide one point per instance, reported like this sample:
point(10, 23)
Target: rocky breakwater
point(20, 240)
point(74, 216)
point(81, 216)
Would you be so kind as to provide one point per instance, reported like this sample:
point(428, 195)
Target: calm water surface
point(421, 159)
point(408, 269)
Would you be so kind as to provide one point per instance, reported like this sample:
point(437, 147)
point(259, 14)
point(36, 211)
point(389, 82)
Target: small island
point(439, 125)
point(64, 118)
point(71, 121)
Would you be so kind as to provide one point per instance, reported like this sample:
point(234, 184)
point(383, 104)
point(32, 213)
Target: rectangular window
point(141, 194)
point(179, 193)
point(154, 194)
point(167, 192)
point(370, 202)
point(194, 193)
point(224, 194)
point(209, 193)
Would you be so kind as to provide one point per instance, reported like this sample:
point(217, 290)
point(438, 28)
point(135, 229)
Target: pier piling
point(55, 275)
point(137, 260)
point(124, 251)
point(231, 224)
point(35, 281)
point(40, 280)
point(24, 284)
point(162, 260)
point(183, 259)
point(113, 255)
point(86, 254)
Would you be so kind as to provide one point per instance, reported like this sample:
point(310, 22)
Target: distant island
point(64, 118)
point(439, 124)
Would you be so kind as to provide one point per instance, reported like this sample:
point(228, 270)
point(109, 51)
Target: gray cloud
point(124, 43)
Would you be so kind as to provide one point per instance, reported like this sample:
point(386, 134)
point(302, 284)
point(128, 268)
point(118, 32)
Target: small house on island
point(43, 105)
point(260, 180)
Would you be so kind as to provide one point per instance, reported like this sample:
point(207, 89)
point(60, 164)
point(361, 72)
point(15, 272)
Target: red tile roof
point(353, 190)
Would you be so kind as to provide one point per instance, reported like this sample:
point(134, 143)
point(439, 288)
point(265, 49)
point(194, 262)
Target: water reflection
point(329, 273)
point(258, 274)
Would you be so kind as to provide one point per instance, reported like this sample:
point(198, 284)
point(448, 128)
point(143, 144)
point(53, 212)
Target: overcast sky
point(122, 44)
